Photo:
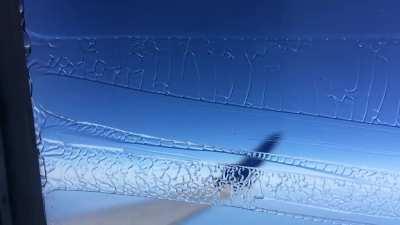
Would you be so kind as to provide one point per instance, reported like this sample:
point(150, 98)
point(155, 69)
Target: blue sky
point(225, 74)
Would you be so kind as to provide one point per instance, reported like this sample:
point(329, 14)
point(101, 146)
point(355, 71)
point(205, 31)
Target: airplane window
point(216, 112)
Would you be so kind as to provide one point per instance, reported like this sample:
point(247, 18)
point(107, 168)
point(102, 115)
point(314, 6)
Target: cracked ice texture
point(242, 72)
point(110, 170)
point(302, 76)
point(46, 119)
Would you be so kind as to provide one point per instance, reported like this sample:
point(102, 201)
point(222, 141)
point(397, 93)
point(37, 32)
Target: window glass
point(204, 112)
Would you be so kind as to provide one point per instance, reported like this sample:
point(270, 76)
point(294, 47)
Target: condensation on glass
point(169, 116)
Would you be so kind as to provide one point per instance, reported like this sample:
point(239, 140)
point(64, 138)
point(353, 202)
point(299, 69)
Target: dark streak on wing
point(266, 147)
point(239, 175)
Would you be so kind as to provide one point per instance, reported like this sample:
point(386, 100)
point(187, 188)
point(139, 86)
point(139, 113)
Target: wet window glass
point(216, 112)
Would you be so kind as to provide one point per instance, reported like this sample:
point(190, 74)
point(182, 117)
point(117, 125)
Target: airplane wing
point(235, 177)
point(165, 212)
point(157, 212)
point(266, 147)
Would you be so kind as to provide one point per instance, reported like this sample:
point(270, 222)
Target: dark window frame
point(21, 201)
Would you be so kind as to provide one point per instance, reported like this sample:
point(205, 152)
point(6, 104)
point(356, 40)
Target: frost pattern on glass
point(113, 170)
point(259, 73)
point(110, 170)
point(167, 66)
point(46, 119)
